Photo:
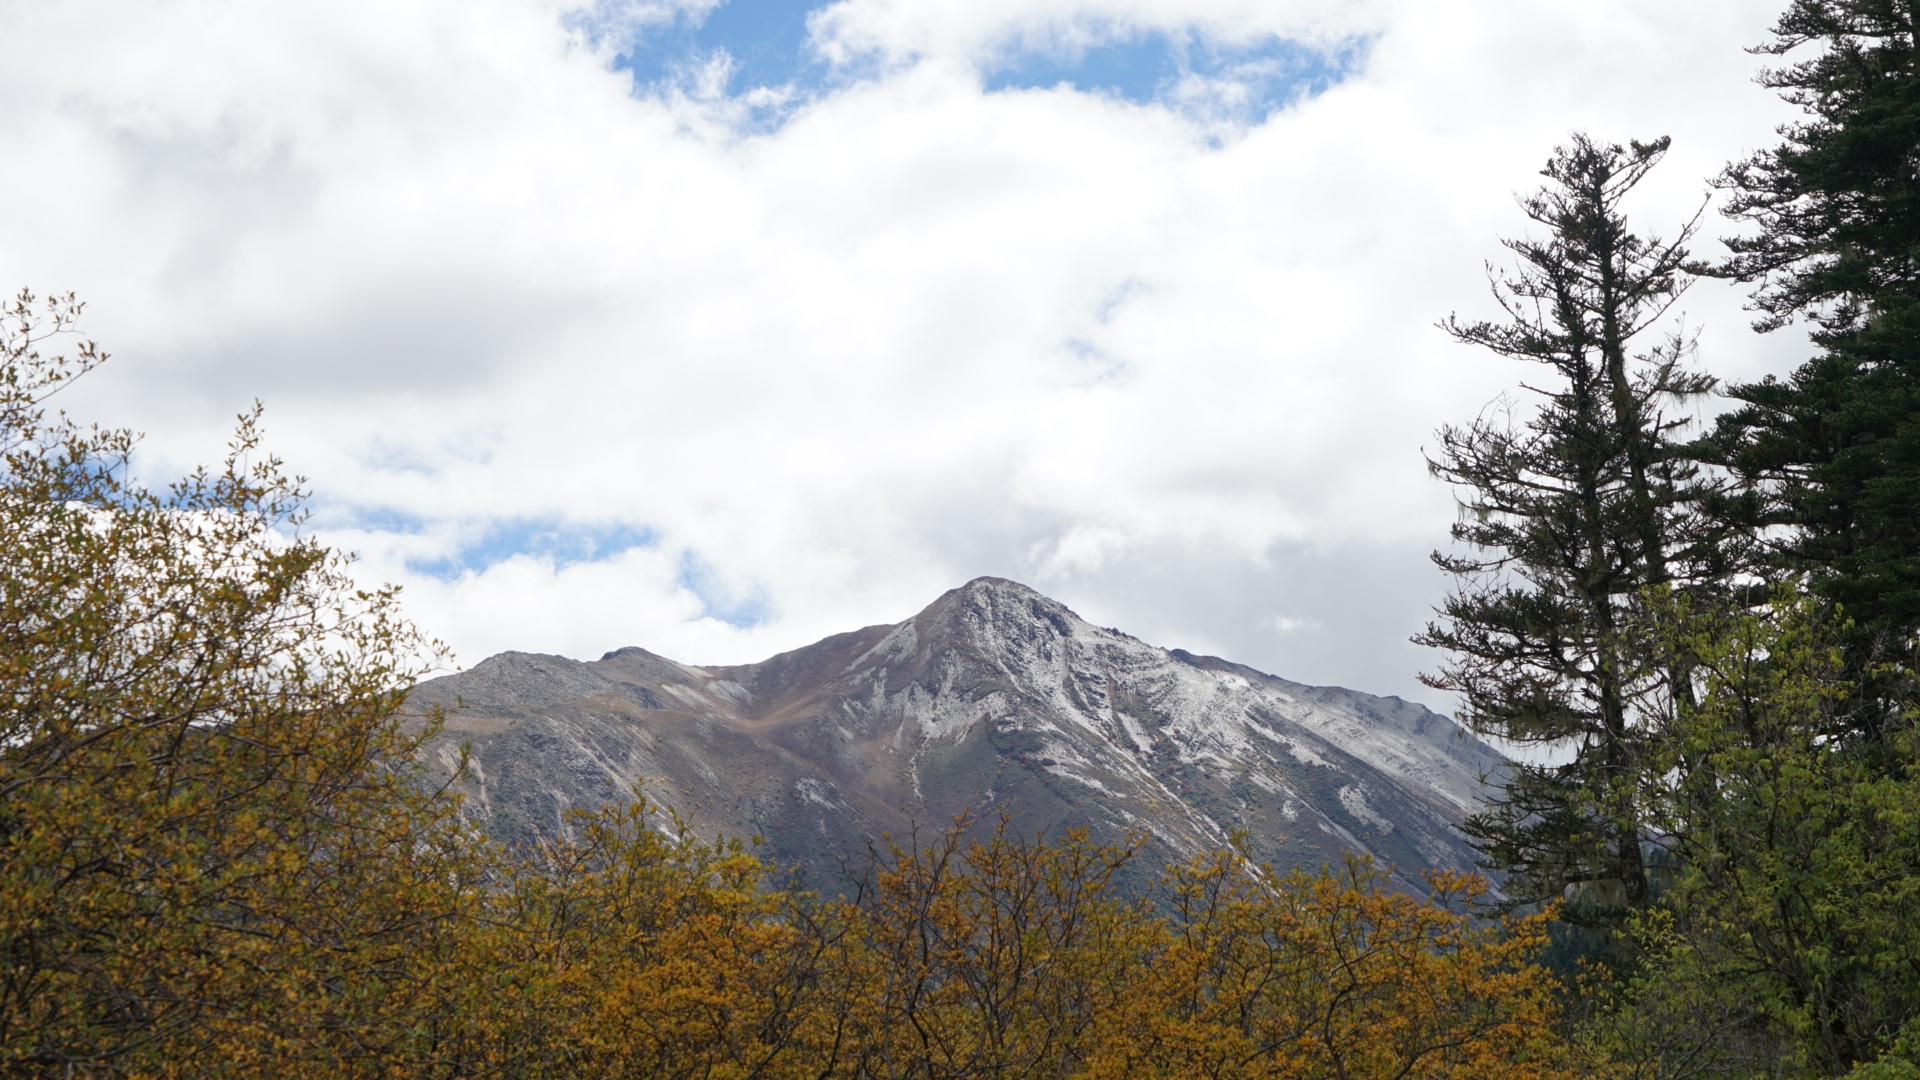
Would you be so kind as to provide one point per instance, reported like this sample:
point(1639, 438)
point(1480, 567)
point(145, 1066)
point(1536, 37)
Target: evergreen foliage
point(1573, 504)
point(1771, 756)
point(1832, 452)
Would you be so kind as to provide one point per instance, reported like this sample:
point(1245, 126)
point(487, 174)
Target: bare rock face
point(994, 700)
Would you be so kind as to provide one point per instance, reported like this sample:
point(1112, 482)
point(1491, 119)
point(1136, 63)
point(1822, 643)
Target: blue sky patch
point(1184, 69)
point(766, 39)
point(372, 519)
point(717, 601)
point(767, 45)
point(561, 542)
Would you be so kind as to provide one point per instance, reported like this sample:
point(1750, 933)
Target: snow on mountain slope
point(994, 700)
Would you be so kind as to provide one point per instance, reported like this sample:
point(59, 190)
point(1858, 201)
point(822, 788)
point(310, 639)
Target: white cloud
point(918, 333)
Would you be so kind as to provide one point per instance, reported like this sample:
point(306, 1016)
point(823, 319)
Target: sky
point(718, 326)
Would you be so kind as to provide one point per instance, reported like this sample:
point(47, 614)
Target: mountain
point(995, 699)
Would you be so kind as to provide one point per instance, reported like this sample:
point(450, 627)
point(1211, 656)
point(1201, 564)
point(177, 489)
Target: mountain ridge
point(994, 699)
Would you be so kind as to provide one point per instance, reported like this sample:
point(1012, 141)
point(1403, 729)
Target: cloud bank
point(589, 339)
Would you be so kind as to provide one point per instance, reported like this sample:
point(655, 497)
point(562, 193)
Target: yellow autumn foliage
point(639, 953)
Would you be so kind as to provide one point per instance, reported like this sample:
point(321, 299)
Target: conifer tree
point(1833, 451)
point(1572, 505)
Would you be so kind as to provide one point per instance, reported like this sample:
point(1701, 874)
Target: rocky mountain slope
point(995, 699)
